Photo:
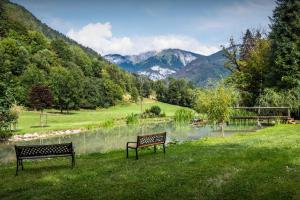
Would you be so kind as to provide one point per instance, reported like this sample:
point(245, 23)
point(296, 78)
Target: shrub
point(132, 119)
point(154, 111)
point(4, 134)
point(14, 113)
point(5, 122)
point(184, 116)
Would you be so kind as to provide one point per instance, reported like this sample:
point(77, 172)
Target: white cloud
point(99, 37)
point(237, 16)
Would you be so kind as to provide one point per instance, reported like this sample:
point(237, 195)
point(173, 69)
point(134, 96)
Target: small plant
point(108, 123)
point(184, 116)
point(132, 119)
point(4, 134)
point(163, 114)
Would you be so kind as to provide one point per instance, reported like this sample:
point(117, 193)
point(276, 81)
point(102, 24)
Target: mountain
point(155, 65)
point(174, 62)
point(204, 69)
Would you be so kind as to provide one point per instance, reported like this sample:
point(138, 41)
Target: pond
point(104, 140)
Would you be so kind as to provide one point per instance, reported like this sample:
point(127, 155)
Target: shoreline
point(63, 132)
point(44, 135)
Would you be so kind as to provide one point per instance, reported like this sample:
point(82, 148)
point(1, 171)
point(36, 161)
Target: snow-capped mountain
point(169, 61)
point(143, 56)
point(157, 73)
point(173, 62)
point(117, 58)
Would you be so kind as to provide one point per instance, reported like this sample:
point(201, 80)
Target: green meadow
point(261, 165)
point(29, 121)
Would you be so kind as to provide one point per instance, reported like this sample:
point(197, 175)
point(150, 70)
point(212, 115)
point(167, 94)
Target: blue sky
point(135, 26)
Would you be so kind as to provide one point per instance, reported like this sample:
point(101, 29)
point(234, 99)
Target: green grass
point(262, 165)
point(29, 120)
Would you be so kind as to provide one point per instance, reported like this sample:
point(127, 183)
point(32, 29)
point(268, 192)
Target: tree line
point(266, 66)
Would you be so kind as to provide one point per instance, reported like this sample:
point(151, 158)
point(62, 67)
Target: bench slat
point(153, 139)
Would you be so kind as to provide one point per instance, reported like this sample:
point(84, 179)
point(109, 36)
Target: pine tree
point(248, 43)
point(285, 37)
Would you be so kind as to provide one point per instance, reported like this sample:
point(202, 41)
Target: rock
point(76, 131)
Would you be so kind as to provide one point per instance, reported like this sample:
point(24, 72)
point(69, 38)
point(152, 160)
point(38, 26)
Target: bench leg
point(73, 162)
point(154, 148)
point(127, 153)
point(164, 148)
point(21, 162)
point(17, 169)
point(136, 154)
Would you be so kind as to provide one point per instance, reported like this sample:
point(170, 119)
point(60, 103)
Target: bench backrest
point(44, 150)
point(147, 140)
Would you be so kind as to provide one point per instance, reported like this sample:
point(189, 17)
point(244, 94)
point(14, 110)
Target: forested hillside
point(41, 68)
point(32, 54)
point(17, 13)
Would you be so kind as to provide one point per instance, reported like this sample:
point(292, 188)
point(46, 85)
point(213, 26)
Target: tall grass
point(183, 116)
point(132, 119)
point(108, 123)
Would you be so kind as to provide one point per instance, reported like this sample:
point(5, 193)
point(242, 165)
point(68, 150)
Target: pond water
point(104, 140)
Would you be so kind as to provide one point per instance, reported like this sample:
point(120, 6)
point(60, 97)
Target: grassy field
point(261, 165)
point(29, 120)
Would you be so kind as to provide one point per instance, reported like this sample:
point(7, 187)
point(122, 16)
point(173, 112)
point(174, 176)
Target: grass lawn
point(262, 165)
point(29, 120)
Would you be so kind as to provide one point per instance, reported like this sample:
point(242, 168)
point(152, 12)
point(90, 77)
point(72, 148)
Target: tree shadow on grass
point(39, 126)
point(34, 167)
point(264, 172)
point(61, 113)
point(227, 170)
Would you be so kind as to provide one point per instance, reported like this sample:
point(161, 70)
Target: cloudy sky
point(135, 26)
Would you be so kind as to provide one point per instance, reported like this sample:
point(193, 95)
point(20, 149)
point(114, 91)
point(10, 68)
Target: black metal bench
point(145, 141)
point(43, 151)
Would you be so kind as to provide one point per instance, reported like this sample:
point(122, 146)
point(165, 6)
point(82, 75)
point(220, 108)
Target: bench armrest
point(130, 143)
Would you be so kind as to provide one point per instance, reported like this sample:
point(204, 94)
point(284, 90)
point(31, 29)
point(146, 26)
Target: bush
point(184, 116)
point(132, 119)
point(4, 134)
point(5, 122)
point(154, 111)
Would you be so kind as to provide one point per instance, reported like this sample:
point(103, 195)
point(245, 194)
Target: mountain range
point(153, 64)
point(174, 63)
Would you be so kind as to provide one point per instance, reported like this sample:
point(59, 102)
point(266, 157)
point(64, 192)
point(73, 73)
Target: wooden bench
point(43, 151)
point(145, 141)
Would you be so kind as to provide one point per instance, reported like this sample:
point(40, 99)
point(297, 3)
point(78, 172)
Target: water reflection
point(108, 139)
